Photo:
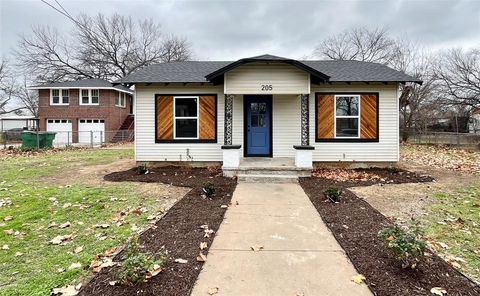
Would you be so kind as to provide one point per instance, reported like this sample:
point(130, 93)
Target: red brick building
point(85, 110)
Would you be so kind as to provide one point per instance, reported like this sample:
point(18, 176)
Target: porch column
point(304, 152)
point(227, 136)
point(305, 141)
point(231, 153)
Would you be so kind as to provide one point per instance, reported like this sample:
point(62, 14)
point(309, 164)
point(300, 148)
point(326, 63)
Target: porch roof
point(329, 70)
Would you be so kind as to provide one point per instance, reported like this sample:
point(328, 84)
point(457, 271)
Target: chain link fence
point(445, 138)
point(13, 138)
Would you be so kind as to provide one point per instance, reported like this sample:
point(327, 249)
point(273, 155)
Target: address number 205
point(267, 87)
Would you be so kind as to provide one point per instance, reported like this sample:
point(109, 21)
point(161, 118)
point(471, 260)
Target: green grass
point(37, 203)
point(455, 220)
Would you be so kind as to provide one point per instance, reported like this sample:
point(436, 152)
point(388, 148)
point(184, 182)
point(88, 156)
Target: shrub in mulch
point(179, 232)
point(356, 224)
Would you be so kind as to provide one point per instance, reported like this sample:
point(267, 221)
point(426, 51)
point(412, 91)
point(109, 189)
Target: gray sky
point(226, 30)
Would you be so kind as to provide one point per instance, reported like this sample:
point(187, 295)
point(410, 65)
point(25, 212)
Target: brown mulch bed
point(178, 231)
point(355, 224)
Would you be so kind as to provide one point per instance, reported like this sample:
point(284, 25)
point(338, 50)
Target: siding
point(285, 79)
point(387, 149)
point(145, 147)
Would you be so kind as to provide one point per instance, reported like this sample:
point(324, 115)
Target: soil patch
point(178, 232)
point(355, 224)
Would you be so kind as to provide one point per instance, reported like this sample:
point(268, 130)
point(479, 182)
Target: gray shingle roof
point(195, 71)
point(83, 83)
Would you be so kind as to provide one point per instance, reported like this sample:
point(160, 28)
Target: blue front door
point(258, 123)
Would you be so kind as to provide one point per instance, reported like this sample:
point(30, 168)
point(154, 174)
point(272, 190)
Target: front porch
point(274, 144)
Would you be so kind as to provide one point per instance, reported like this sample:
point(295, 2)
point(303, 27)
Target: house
point(84, 111)
point(266, 108)
point(17, 122)
point(474, 122)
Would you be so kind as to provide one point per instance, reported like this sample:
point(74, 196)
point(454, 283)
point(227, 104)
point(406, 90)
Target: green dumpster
point(30, 141)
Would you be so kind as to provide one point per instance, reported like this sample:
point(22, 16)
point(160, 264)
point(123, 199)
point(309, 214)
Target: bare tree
point(457, 74)
point(99, 47)
point(359, 44)
point(7, 90)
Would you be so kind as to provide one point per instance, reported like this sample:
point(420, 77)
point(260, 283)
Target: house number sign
point(267, 87)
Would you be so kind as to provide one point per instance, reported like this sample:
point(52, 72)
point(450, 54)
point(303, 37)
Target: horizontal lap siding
point(384, 150)
point(286, 125)
point(145, 147)
point(285, 79)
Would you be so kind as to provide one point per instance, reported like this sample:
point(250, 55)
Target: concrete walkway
point(300, 256)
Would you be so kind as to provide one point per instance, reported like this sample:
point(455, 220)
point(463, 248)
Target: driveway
point(298, 255)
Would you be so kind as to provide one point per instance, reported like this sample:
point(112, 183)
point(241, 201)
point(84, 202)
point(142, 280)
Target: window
point(90, 97)
point(185, 117)
point(122, 97)
point(59, 97)
point(347, 119)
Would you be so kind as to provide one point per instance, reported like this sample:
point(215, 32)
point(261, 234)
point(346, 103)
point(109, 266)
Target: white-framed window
point(185, 121)
point(121, 100)
point(59, 97)
point(347, 116)
point(89, 97)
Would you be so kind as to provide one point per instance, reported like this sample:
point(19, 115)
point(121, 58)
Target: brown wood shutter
point(208, 113)
point(368, 116)
point(164, 117)
point(325, 116)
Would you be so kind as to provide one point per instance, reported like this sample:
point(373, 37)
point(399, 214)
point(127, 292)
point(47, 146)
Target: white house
point(266, 108)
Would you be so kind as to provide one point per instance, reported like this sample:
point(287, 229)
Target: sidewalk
point(300, 256)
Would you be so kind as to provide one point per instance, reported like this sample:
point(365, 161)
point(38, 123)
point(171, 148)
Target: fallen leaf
point(112, 283)
point(212, 290)
point(9, 231)
point(75, 266)
point(64, 225)
point(224, 206)
point(8, 218)
point(110, 252)
point(203, 245)
point(53, 224)
point(156, 270)
point(5, 247)
point(358, 279)
point(66, 291)
point(78, 250)
point(60, 239)
point(18, 254)
point(98, 265)
point(256, 248)
point(438, 291)
point(201, 257)
point(180, 260)
point(67, 205)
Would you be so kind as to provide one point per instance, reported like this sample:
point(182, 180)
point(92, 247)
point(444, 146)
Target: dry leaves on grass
point(442, 157)
point(70, 290)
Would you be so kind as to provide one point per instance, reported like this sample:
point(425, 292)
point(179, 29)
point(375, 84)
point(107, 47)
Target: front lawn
point(35, 209)
point(453, 225)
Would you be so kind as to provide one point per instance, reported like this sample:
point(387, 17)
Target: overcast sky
point(226, 30)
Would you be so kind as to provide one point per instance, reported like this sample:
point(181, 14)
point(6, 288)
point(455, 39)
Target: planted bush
point(209, 189)
point(142, 169)
point(137, 266)
point(333, 194)
point(405, 243)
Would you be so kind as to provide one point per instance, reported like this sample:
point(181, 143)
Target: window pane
point(94, 92)
point(56, 100)
point(55, 92)
point(262, 121)
point(65, 96)
point(186, 128)
point(94, 100)
point(347, 106)
point(254, 107)
point(347, 127)
point(254, 120)
point(262, 108)
point(186, 107)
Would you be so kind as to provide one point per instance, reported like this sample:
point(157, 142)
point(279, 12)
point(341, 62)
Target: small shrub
point(209, 189)
point(136, 265)
point(142, 169)
point(333, 194)
point(405, 243)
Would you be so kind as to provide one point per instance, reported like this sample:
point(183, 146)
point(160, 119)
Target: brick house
point(85, 110)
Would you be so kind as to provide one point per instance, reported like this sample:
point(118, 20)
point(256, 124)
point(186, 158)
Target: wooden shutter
point(325, 116)
point(368, 116)
point(208, 113)
point(164, 118)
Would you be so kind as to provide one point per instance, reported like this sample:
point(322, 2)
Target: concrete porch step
point(278, 171)
point(267, 178)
